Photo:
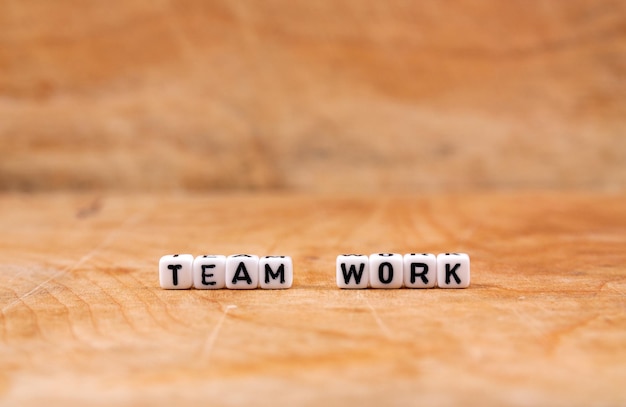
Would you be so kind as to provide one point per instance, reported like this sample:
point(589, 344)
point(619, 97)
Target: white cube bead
point(386, 270)
point(352, 271)
point(209, 272)
point(275, 272)
point(242, 272)
point(453, 270)
point(175, 271)
point(420, 270)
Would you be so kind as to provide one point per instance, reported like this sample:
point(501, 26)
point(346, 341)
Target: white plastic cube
point(242, 272)
point(352, 271)
point(453, 270)
point(209, 272)
point(386, 270)
point(420, 270)
point(275, 272)
point(175, 271)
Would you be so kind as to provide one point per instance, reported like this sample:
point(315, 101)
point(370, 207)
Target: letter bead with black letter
point(275, 272)
point(420, 270)
point(453, 270)
point(386, 270)
point(242, 272)
point(175, 271)
point(352, 271)
point(209, 272)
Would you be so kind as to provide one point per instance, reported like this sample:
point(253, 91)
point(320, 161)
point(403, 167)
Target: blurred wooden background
point(312, 95)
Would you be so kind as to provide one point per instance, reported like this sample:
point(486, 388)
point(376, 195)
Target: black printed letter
point(452, 272)
point(242, 267)
point(269, 273)
point(175, 268)
point(205, 274)
point(422, 275)
point(348, 274)
point(381, 273)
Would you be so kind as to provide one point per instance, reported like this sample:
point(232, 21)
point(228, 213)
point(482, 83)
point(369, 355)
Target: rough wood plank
point(324, 95)
point(84, 322)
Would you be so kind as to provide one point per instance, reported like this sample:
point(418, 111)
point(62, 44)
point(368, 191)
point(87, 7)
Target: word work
point(413, 270)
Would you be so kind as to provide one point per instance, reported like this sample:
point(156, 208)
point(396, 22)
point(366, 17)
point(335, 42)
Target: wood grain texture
point(314, 96)
point(83, 320)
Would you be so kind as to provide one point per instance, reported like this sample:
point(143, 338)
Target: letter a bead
point(453, 270)
point(242, 272)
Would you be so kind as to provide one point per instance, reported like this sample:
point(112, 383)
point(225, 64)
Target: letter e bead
point(209, 272)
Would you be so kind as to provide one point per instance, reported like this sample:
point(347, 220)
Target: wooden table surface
point(85, 322)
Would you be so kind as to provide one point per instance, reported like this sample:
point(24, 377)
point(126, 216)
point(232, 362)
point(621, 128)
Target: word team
point(236, 272)
point(413, 270)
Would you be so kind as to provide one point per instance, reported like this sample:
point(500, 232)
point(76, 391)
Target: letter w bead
point(352, 271)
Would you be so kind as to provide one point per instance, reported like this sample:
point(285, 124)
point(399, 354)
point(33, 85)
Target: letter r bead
point(453, 270)
point(420, 270)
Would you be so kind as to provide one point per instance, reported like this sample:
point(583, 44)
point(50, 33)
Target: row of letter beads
point(413, 270)
point(237, 272)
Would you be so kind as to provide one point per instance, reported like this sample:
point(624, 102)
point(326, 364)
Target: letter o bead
point(386, 270)
point(175, 271)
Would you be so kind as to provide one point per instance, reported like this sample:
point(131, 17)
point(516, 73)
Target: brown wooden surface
point(326, 95)
point(84, 321)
